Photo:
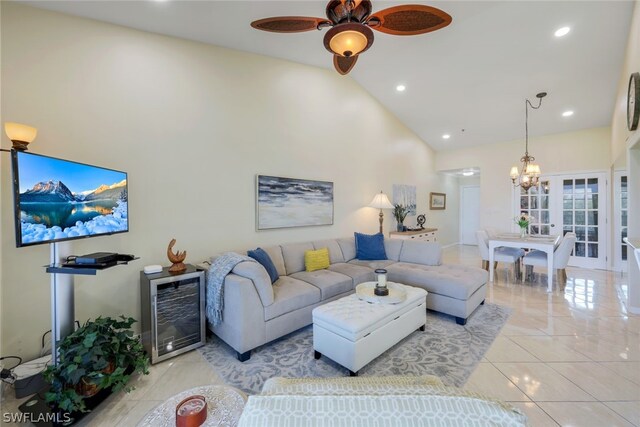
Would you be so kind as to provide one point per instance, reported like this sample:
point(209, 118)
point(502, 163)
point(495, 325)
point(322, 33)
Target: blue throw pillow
point(370, 247)
point(263, 258)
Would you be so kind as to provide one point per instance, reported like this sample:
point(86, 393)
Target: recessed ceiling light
point(567, 113)
point(467, 173)
point(561, 32)
point(401, 88)
point(446, 136)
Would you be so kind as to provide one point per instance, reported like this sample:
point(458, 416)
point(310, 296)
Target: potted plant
point(100, 355)
point(400, 212)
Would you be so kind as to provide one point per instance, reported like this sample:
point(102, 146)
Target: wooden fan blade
point(289, 24)
point(409, 20)
point(343, 64)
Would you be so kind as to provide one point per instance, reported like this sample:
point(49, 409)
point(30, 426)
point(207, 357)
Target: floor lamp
point(381, 201)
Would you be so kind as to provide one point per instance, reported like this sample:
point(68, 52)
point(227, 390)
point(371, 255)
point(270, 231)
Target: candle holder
point(381, 288)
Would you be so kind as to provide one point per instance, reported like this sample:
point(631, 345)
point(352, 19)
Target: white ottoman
point(352, 332)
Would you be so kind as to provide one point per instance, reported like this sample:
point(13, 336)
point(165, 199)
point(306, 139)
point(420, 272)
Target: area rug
point(445, 349)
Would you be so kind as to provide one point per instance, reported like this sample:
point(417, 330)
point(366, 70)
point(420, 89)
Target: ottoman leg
point(482, 303)
point(422, 328)
point(353, 374)
point(317, 354)
point(461, 321)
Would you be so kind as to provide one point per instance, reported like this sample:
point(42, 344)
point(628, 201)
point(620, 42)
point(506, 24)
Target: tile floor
point(569, 358)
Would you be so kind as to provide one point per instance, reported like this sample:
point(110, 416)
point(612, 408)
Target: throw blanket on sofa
point(218, 270)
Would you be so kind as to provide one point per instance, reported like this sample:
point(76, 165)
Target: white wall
point(192, 124)
point(585, 150)
point(620, 134)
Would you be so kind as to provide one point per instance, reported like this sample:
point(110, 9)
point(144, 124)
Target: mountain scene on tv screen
point(50, 210)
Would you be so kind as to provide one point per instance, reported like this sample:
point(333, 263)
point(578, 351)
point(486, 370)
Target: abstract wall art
point(290, 202)
point(405, 195)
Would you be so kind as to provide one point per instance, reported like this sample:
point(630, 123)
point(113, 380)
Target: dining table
point(542, 243)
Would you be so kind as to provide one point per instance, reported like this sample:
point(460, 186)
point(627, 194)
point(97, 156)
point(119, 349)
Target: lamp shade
point(514, 172)
point(381, 201)
point(533, 169)
point(20, 132)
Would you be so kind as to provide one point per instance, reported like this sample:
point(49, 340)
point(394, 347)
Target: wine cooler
point(173, 312)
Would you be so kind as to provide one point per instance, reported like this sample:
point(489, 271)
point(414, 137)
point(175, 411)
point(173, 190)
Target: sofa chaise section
point(456, 290)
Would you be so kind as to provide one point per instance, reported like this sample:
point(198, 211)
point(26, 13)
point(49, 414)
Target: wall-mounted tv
point(58, 199)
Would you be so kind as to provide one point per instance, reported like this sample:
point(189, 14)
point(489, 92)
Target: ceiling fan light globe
point(348, 40)
point(348, 43)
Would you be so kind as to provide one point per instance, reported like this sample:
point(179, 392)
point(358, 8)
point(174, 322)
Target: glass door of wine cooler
point(177, 308)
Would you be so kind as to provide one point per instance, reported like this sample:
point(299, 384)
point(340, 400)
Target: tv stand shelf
point(86, 271)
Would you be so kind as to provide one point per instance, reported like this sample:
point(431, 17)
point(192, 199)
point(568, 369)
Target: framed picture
point(437, 201)
point(405, 195)
point(290, 202)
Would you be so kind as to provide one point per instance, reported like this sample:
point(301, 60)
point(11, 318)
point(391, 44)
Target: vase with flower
point(400, 212)
point(523, 220)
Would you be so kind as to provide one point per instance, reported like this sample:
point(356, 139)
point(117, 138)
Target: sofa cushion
point(290, 294)
point(258, 275)
point(316, 260)
point(370, 246)
point(358, 273)
point(348, 246)
point(329, 282)
point(427, 253)
point(335, 253)
point(374, 265)
point(393, 247)
point(455, 281)
point(275, 253)
point(263, 258)
point(293, 255)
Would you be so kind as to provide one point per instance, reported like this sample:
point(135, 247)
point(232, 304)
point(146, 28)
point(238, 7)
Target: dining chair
point(501, 254)
point(560, 258)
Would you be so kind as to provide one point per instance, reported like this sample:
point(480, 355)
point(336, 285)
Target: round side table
point(224, 407)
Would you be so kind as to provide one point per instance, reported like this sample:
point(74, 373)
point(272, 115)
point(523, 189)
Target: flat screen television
point(58, 199)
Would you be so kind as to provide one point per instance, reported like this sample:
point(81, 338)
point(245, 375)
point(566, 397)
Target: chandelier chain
point(528, 104)
point(530, 173)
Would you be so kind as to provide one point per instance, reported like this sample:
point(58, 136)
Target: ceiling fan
point(351, 22)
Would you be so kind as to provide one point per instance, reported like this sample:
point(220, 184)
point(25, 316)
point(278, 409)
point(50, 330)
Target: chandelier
point(529, 176)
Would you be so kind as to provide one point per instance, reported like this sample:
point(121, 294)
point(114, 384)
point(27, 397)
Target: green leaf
point(89, 339)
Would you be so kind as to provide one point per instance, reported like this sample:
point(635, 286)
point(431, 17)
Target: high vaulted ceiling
point(473, 75)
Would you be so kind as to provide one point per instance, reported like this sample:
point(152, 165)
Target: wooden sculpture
point(176, 259)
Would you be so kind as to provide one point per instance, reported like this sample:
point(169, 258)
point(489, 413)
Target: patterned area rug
point(445, 349)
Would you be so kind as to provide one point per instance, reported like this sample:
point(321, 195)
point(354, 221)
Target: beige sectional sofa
point(257, 312)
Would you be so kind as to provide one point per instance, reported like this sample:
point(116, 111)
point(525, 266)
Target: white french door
point(537, 202)
point(620, 211)
point(574, 203)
